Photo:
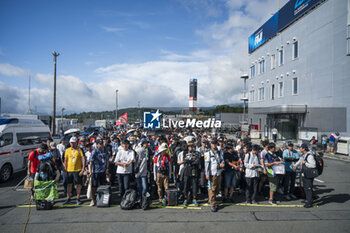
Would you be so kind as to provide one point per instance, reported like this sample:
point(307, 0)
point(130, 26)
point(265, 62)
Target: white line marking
point(321, 181)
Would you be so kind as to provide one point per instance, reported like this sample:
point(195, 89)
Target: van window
point(32, 138)
point(7, 138)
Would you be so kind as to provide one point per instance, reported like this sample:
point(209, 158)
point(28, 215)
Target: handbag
point(28, 183)
point(309, 173)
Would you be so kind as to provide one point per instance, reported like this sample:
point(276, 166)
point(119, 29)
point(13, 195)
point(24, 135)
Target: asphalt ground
point(331, 212)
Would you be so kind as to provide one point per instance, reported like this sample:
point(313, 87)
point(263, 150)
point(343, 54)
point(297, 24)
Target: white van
point(18, 137)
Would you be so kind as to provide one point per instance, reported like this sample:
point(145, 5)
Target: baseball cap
point(214, 141)
point(290, 144)
point(304, 146)
point(52, 145)
point(73, 139)
point(99, 141)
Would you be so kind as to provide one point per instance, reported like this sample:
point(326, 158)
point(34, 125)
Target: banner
point(122, 120)
point(289, 13)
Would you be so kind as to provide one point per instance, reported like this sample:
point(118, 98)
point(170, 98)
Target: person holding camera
point(231, 168)
point(272, 159)
point(214, 164)
point(191, 172)
point(252, 164)
point(162, 167)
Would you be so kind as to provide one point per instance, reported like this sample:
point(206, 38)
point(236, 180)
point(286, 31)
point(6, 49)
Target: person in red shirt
point(33, 161)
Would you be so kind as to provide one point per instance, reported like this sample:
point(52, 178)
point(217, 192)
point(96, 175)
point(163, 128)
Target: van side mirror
point(2, 143)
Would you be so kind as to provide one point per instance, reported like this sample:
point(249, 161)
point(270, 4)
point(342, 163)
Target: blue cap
point(144, 141)
point(304, 146)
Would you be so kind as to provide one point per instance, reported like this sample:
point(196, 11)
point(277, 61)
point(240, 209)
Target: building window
point(273, 61)
point(261, 94)
point(295, 86)
point(252, 95)
point(252, 71)
point(295, 50)
point(262, 66)
point(273, 91)
point(280, 57)
point(280, 89)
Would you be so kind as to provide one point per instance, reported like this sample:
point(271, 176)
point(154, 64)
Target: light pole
point(55, 55)
point(138, 112)
point(244, 97)
point(116, 104)
point(62, 109)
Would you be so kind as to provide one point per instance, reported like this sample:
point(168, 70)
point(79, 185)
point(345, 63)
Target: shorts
point(73, 177)
point(331, 144)
point(273, 182)
point(98, 179)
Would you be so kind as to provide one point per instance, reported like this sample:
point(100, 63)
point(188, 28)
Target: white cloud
point(10, 70)
point(164, 81)
point(112, 29)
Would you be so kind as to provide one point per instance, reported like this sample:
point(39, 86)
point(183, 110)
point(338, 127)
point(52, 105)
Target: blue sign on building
point(152, 120)
point(264, 33)
point(285, 16)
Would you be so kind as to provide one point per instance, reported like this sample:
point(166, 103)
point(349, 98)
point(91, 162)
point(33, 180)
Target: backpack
point(128, 200)
point(146, 201)
point(319, 164)
point(46, 169)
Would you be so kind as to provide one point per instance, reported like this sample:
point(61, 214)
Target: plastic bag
point(89, 189)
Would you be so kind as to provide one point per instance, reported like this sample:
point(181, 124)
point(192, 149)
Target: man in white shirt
point(123, 160)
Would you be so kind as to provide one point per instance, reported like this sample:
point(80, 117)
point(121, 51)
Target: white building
point(299, 79)
point(63, 124)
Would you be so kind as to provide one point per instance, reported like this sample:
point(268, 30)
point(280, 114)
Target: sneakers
point(195, 203)
point(254, 203)
point(92, 203)
point(163, 202)
point(292, 196)
point(185, 203)
point(307, 206)
point(67, 202)
point(247, 202)
point(272, 202)
point(287, 197)
point(214, 209)
point(79, 202)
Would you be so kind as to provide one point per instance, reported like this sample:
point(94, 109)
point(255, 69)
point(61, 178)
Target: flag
point(122, 120)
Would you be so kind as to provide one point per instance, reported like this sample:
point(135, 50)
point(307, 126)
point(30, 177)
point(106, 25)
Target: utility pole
point(138, 112)
point(55, 55)
point(116, 104)
point(29, 111)
point(62, 120)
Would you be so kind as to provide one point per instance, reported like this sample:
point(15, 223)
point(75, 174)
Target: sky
point(146, 49)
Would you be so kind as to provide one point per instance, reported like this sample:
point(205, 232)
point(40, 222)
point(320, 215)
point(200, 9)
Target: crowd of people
point(198, 163)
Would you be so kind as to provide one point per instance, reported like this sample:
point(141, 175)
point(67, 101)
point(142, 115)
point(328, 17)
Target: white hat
point(73, 139)
point(162, 148)
point(53, 145)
